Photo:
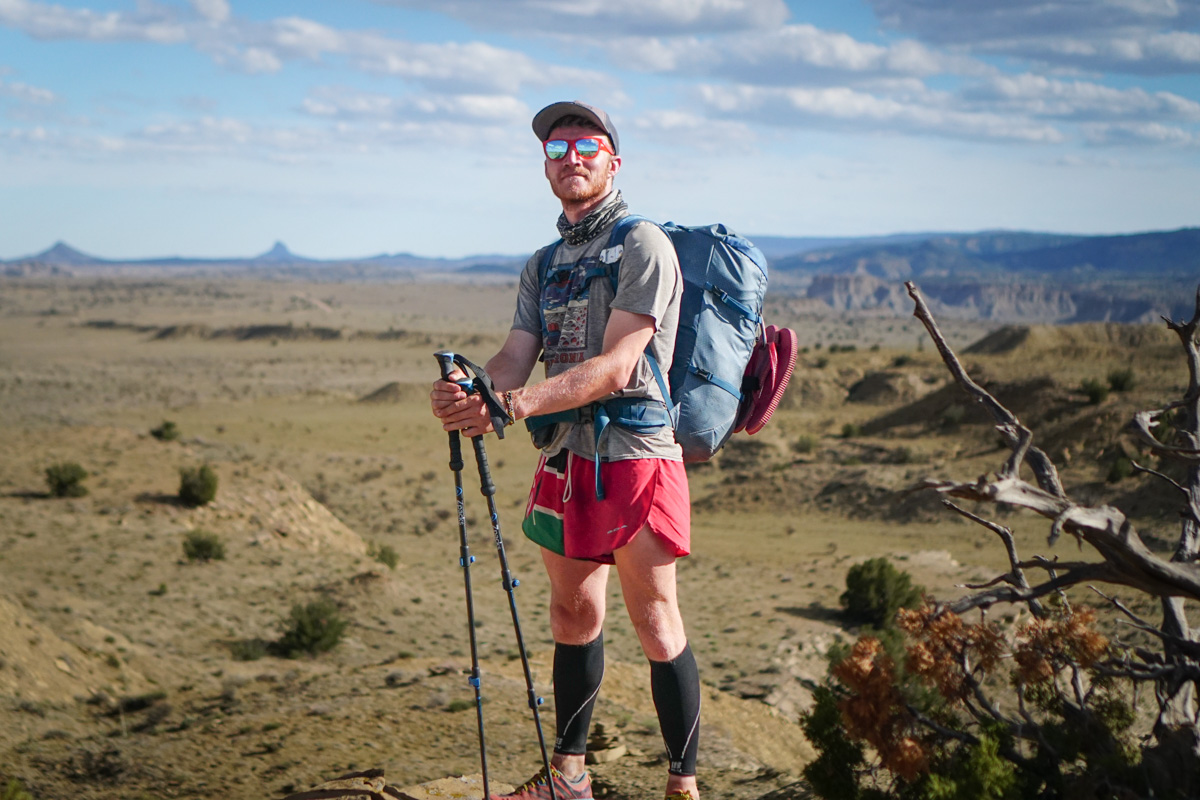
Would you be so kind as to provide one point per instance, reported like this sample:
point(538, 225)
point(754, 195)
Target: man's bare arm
point(625, 337)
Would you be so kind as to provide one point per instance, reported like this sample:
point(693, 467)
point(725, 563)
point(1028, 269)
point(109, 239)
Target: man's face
point(579, 180)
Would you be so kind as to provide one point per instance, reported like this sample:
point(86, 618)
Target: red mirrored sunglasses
point(585, 147)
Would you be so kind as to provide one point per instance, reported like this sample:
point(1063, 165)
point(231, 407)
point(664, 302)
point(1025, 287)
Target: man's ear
point(614, 166)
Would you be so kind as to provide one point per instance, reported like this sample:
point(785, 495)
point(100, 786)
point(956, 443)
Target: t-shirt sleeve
point(649, 273)
point(528, 316)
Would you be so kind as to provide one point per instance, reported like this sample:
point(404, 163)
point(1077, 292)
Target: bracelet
point(509, 408)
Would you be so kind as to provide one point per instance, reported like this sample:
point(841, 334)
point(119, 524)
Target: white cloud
point(787, 55)
point(846, 109)
point(258, 47)
point(212, 10)
point(1136, 36)
point(1082, 100)
point(1139, 134)
point(346, 104)
point(25, 93)
point(44, 21)
point(597, 18)
point(703, 134)
point(340, 122)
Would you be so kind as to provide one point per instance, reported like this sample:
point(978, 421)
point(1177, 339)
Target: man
point(635, 514)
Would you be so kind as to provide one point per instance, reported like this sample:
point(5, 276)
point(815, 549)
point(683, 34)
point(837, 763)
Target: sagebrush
point(197, 485)
point(312, 628)
point(65, 479)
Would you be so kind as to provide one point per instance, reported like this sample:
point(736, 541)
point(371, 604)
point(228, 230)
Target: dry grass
point(100, 604)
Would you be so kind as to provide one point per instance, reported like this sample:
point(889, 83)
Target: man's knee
point(576, 620)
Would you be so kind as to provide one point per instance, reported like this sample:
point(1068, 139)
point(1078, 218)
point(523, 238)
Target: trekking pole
point(483, 385)
point(465, 560)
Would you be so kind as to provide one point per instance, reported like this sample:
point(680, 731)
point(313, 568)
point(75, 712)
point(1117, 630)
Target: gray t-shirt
point(570, 316)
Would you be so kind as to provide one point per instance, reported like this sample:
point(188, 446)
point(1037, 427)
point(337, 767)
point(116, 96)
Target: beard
point(592, 187)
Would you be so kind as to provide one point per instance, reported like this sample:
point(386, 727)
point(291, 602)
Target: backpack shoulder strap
point(619, 232)
point(544, 265)
point(617, 237)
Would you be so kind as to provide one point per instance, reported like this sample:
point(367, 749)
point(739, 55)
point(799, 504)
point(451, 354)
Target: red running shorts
point(564, 516)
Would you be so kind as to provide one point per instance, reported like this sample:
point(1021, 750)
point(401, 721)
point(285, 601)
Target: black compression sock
point(676, 688)
point(578, 670)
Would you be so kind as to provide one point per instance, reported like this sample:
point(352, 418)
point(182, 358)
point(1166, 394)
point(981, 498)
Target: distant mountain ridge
point(1010, 276)
point(997, 253)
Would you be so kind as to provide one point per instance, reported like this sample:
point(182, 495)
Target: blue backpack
point(724, 281)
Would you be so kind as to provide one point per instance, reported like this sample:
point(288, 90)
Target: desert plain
point(128, 671)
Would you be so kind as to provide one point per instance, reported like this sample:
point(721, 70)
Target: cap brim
point(782, 344)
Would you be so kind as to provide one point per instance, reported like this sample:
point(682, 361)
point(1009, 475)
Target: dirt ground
point(123, 665)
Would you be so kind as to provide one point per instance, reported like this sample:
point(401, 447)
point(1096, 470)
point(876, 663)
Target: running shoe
point(536, 788)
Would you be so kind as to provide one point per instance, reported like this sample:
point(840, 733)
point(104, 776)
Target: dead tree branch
point(1015, 434)
point(1126, 561)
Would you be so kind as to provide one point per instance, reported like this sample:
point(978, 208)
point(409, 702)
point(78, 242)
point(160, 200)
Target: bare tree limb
point(1141, 425)
point(1185, 646)
point(1016, 575)
point(1016, 594)
point(1139, 468)
point(1017, 435)
point(1104, 528)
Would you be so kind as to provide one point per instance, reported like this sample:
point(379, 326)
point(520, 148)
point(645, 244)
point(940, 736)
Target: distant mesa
point(280, 253)
point(63, 253)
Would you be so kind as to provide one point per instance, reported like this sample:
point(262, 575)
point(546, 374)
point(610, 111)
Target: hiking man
point(635, 513)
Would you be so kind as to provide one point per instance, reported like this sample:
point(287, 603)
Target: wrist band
point(509, 408)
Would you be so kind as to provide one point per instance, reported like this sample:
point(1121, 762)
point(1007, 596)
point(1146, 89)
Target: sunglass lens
point(556, 148)
point(587, 148)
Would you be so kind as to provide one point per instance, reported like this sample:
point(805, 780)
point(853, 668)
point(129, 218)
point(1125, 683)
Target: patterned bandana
point(586, 228)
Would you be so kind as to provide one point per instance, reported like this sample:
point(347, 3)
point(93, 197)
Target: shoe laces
point(540, 779)
point(682, 794)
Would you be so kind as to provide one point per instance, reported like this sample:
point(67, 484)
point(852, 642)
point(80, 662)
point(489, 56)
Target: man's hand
point(458, 410)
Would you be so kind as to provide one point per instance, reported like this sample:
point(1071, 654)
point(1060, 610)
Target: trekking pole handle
point(446, 362)
point(486, 487)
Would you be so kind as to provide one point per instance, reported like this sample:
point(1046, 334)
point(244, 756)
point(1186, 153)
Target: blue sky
point(137, 128)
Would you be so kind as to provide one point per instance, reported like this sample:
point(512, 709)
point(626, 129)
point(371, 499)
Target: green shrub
point(313, 628)
point(851, 430)
point(1096, 391)
point(197, 485)
point(821, 363)
point(167, 432)
point(203, 546)
point(834, 774)
point(1121, 380)
point(384, 554)
point(804, 444)
point(902, 361)
point(248, 649)
point(15, 791)
point(1120, 469)
point(66, 479)
point(876, 590)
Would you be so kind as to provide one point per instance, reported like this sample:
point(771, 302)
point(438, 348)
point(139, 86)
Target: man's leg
point(577, 590)
point(646, 567)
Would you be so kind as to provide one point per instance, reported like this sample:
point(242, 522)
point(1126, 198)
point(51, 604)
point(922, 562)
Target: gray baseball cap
point(544, 120)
